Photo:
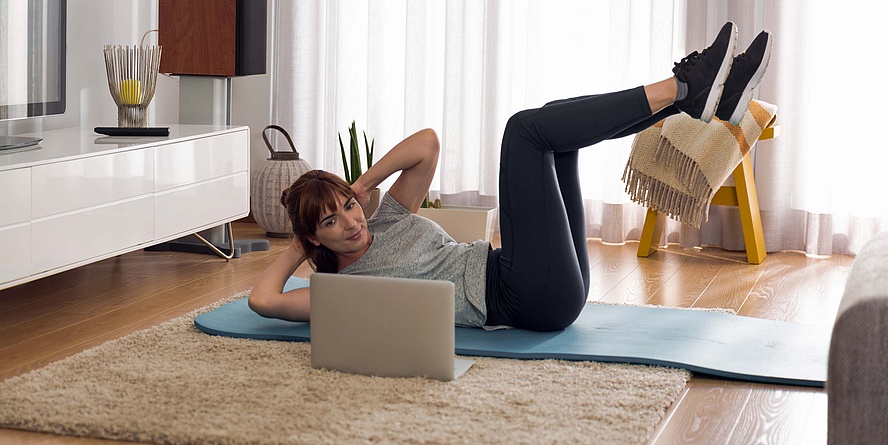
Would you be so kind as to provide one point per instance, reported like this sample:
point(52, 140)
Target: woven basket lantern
point(132, 78)
point(271, 178)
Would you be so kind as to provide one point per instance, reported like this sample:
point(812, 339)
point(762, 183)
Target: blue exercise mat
point(717, 344)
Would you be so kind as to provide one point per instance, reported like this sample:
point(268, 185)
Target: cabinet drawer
point(15, 196)
point(82, 183)
point(180, 211)
point(16, 242)
point(199, 160)
point(100, 231)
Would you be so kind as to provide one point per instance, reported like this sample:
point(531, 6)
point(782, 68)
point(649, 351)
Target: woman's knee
point(521, 125)
point(559, 310)
point(552, 323)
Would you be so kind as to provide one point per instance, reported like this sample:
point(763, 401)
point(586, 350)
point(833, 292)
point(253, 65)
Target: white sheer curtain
point(825, 177)
point(463, 67)
point(819, 184)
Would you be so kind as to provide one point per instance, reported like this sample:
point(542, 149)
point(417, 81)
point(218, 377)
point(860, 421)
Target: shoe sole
point(746, 97)
point(719, 84)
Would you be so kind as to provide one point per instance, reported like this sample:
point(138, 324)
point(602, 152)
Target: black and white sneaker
point(746, 73)
point(705, 74)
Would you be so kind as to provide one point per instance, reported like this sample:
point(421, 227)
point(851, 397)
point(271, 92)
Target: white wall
point(95, 23)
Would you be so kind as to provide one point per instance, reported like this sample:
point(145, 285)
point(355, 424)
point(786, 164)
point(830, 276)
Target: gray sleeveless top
point(406, 245)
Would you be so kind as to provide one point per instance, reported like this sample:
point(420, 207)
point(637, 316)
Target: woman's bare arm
point(267, 297)
point(416, 157)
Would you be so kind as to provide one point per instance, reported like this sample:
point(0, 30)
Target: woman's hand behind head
point(362, 195)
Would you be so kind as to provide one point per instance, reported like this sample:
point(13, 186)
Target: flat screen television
point(32, 58)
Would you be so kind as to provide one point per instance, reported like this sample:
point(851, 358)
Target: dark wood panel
point(198, 37)
point(222, 38)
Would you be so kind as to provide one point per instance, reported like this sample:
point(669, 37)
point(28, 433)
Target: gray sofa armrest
point(857, 378)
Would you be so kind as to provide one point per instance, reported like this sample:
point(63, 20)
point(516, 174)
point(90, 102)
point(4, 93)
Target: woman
point(539, 279)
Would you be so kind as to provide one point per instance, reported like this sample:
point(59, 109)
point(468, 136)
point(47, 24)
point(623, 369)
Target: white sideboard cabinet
point(83, 197)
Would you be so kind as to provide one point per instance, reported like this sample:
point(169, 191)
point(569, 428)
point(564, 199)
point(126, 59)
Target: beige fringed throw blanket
point(678, 164)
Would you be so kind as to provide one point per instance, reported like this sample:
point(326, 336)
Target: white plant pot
point(465, 224)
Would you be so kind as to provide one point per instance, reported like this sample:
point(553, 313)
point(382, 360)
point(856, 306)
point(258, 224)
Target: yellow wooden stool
point(742, 195)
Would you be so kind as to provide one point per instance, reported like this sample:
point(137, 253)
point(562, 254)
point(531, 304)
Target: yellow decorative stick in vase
point(130, 92)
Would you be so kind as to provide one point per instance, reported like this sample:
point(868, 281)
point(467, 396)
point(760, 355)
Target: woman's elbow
point(292, 306)
point(258, 303)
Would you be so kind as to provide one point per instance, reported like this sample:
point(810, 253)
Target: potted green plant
point(351, 163)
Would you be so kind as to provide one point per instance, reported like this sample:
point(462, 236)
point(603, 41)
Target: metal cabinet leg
point(215, 249)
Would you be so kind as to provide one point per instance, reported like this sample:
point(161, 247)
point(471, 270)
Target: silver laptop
point(388, 327)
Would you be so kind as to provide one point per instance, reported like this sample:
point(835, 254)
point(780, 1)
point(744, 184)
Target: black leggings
point(539, 279)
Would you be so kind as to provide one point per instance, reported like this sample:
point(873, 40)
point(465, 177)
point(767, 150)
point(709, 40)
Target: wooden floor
point(61, 315)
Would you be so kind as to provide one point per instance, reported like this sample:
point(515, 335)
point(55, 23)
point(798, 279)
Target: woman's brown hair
point(307, 200)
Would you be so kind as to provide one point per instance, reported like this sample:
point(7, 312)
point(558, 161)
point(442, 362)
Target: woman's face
point(344, 229)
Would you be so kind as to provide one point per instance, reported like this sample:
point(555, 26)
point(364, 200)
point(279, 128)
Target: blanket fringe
point(691, 209)
point(686, 169)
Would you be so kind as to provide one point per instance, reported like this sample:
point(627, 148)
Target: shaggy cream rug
point(174, 384)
